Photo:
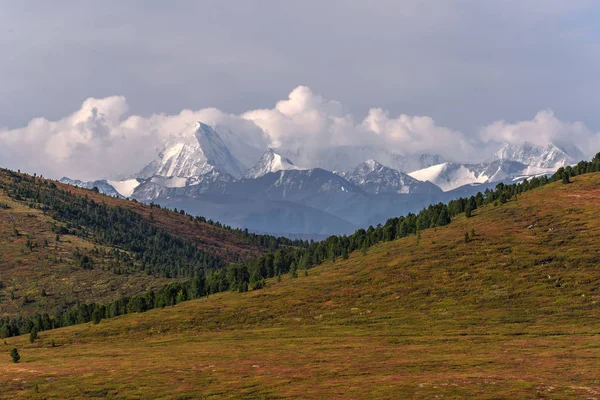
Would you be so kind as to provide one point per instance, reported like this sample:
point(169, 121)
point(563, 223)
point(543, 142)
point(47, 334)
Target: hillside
point(504, 304)
point(61, 245)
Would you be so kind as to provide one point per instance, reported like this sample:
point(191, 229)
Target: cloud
point(307, 119)
point(414, 135)
point(544, 128)
point(102, 140)
point(99, 140)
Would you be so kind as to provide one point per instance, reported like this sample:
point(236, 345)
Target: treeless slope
point(512, 312)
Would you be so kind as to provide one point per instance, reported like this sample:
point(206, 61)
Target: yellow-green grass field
point(513, 312)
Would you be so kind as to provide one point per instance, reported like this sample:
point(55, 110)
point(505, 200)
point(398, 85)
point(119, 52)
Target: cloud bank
point(102, 140)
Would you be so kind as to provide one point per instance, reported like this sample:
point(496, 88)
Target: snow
point(375, 178)
point(125, 188)
point(549, 157)
point(429, 174)
point(195, 151)
point(281, 164)
point(448, 176)
point(170, 182)
point(271, 162)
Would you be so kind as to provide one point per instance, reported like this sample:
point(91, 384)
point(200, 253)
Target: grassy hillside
point(510, 312)
point(51, 257)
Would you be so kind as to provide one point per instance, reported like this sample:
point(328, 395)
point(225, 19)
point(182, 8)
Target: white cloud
point(544, 128)
point(101, 140)
point(308, 120)
point(420, 134)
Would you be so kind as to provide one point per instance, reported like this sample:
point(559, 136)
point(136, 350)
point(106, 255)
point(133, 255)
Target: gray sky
point(465, 64)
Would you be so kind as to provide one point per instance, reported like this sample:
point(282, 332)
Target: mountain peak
point(201, 128)
point(373, 164)
point(270, 161)
point(375, 178)
point(197, 150)
point(550, 156)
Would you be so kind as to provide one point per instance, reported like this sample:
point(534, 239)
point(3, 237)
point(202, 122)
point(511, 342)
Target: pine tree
point(293, 270)
point(443, 218)
point(468, 211)
point(565, 178)
point(14, 353)
point(33, 335)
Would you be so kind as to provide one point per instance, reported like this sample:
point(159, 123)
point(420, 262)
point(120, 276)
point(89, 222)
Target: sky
point(82, 81)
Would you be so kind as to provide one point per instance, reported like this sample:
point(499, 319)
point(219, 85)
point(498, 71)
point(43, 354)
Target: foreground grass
point(512, 313)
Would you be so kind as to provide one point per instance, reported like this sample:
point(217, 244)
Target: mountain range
point(332, 191)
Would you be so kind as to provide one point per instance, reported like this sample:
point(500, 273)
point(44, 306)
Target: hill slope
point(512, 312)
point(61, 245)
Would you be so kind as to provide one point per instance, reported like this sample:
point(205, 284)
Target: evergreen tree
point(96, 316)
point(33, 335)
point(345, 253)
point(14, 353)
point(468, 211)
point(444, 217)
point(363, 248)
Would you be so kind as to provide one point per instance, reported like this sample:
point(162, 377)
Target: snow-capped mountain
point(126, 187)
point(449, 176)
point(549, 157)
point(102, 185)
point(123, 188)
point(414, 162)
point(196, 152)
point(376, 178)
point(270, 162)
point(159, 186)
point(197, 171)
point(344, 158)
point(293, 184)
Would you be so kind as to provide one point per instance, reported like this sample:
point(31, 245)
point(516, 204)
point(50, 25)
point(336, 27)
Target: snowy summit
point(270, 162)
point(195, 152)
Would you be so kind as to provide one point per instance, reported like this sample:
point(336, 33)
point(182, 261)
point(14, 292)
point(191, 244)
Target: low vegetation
point(512, 312)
